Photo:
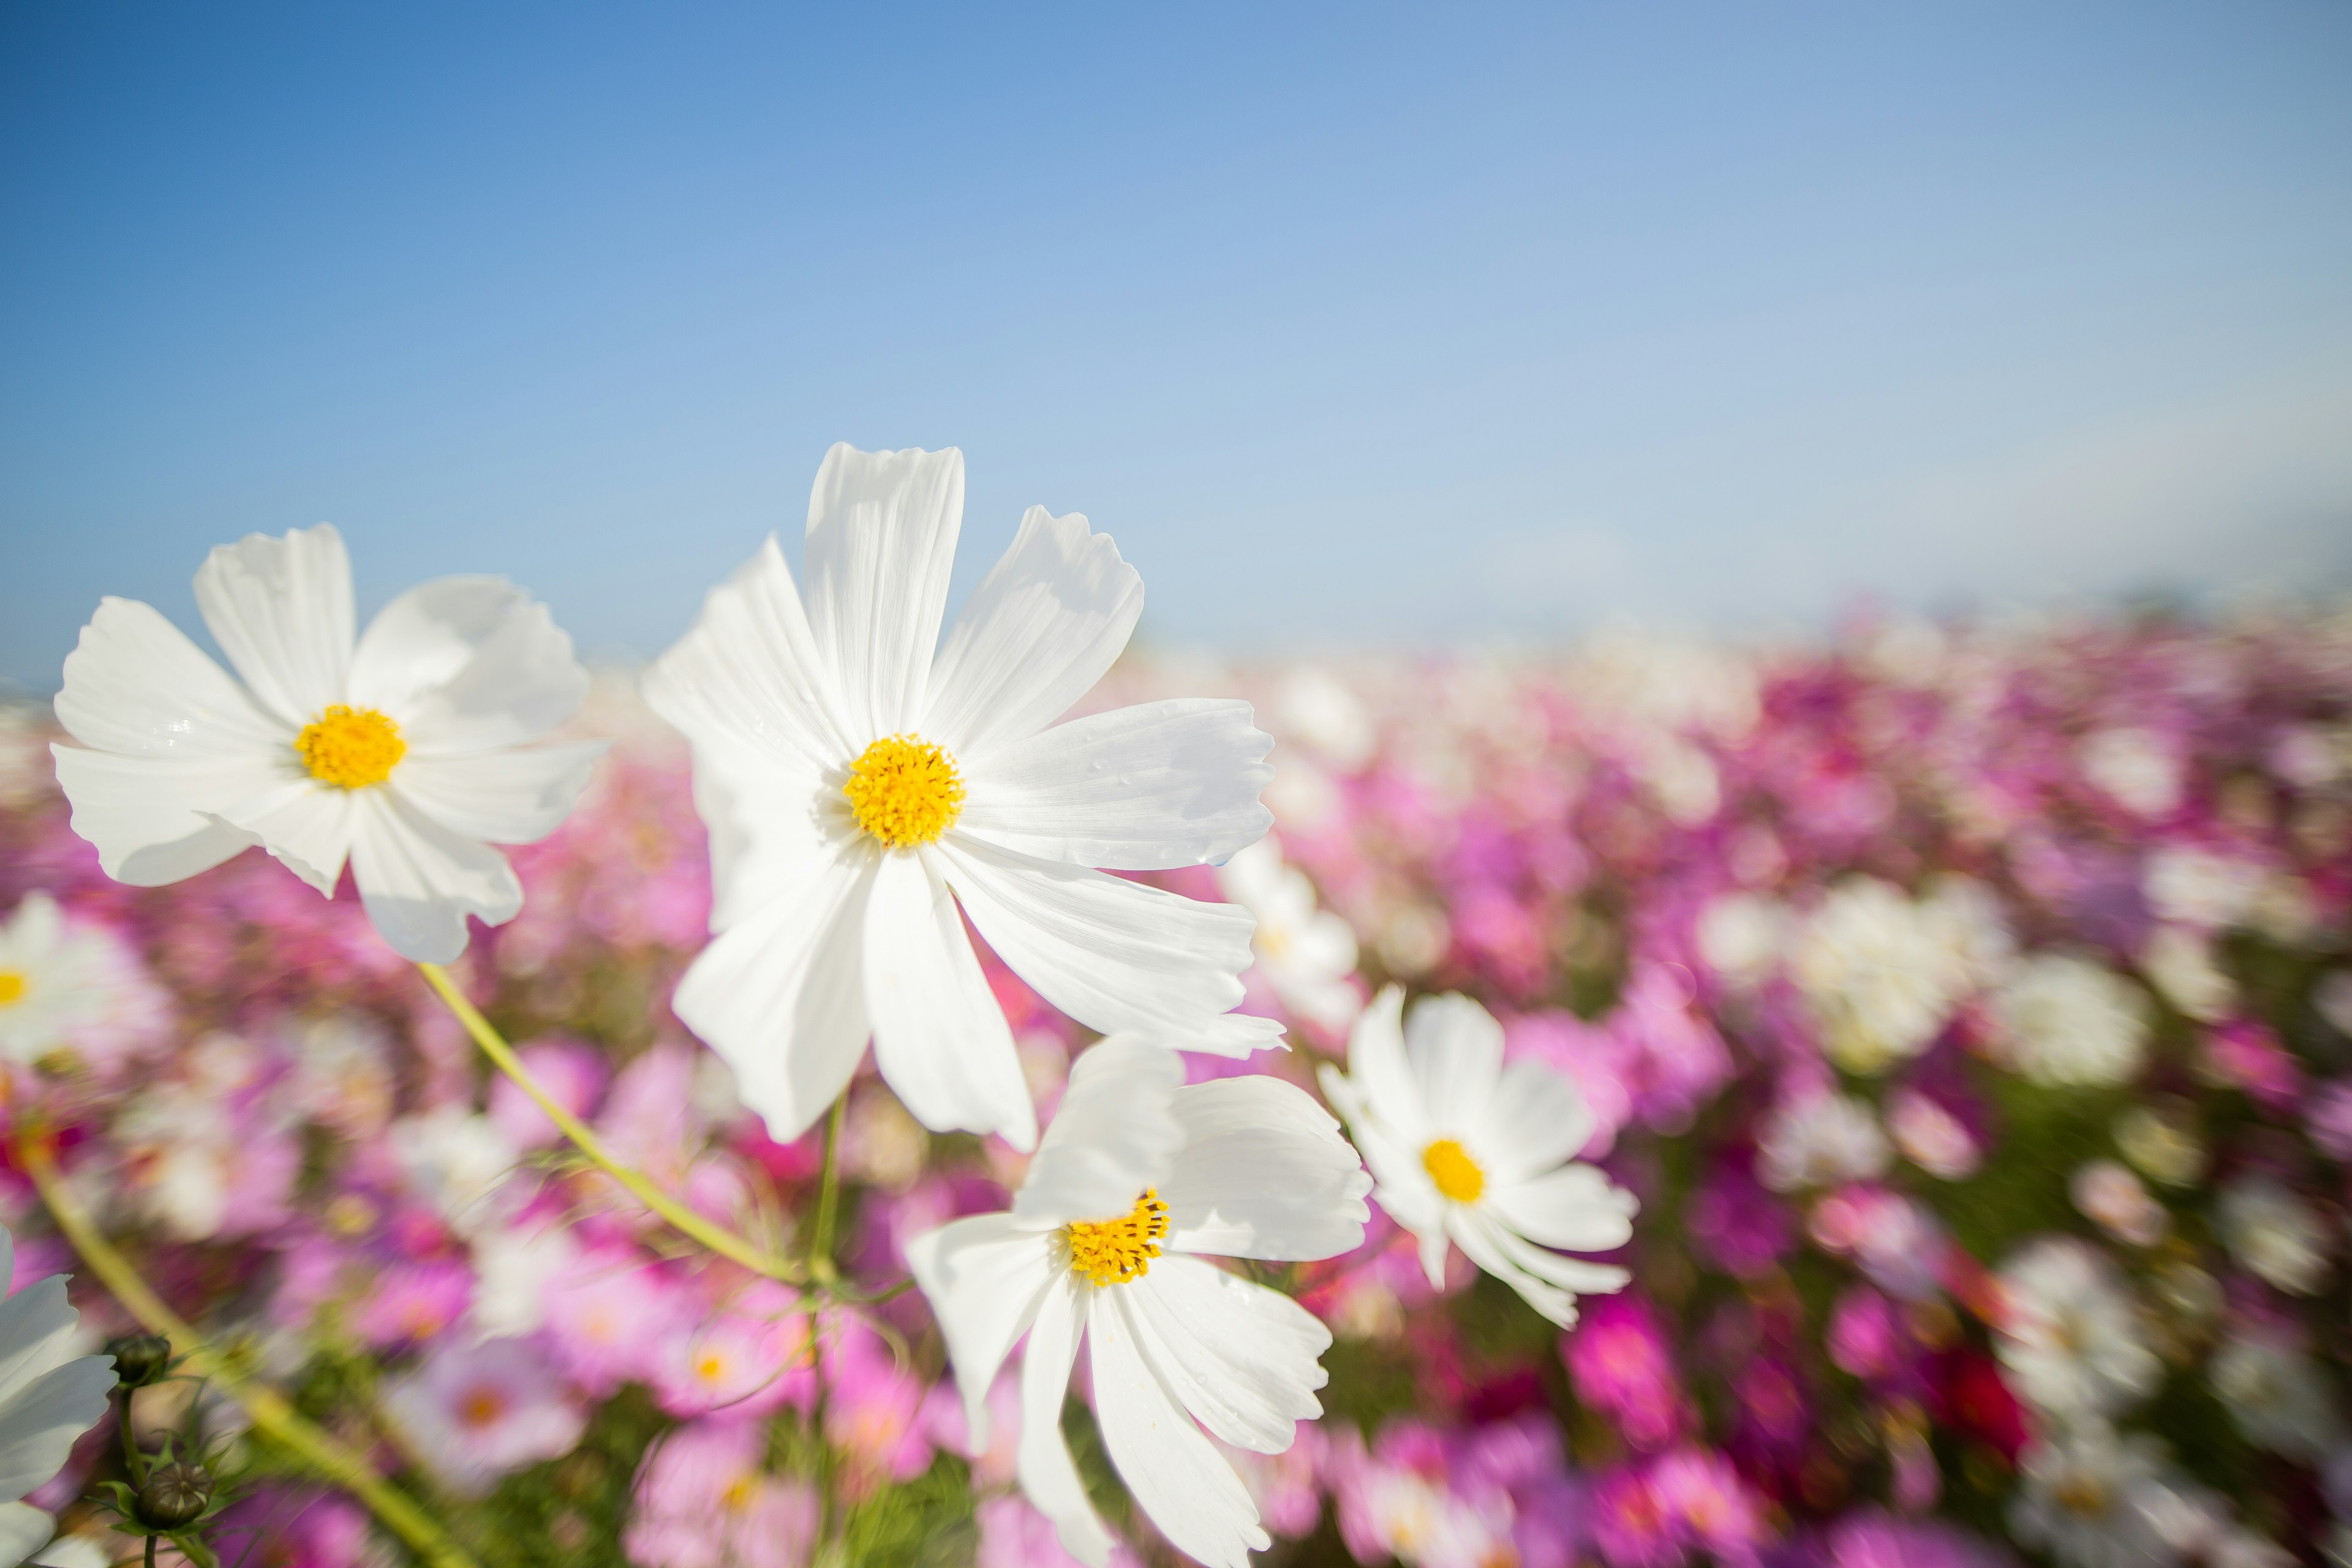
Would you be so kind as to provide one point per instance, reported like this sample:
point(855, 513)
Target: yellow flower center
point(1457, 1176)
point(351, 748)
point(904, 790)
point(481, 1406)
point(11, 987)
point(1114, 1251)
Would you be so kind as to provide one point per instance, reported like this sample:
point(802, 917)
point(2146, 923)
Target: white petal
point(310, 828)
point(1243, 1359)
point(780, 995)
point(1545, 1280)
point(1135, 789)
point(1389, 1094)
point(517, 796)
point(1263, 1173)
point(940, 1037)
point(1042, 1461)
point(419, 880)
point(1432, 1237)
point(40, 1422)
point(749, 673)
point(146, 815)
point(465, 664)
point(281, 610)
point(1044, 625)
point(37, 1335)
point(1115, 1133)
point(24, 1530)
point(1457, 1051)
point(984, 1278)
point(1537, 1119)
point(881, 543)
point(1575, 1206)
point(1113, 954)
point(135, 685)
point(71, 1552)
point(1170, 1467)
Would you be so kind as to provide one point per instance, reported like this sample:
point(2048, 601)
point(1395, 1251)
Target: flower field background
point(1968, 1008)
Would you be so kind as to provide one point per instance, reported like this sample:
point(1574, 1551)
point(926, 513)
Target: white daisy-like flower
point(2070, 1338)
point(2091, 1498)
point(1881, 973)
point(1471, 1151)
point(865, 795)
point(2280, 1396)
point(406, 750)
point(1137, 1174)
point(1308, 954)
point(49, 1395)
point(2066, 1021)
point(1820, 1140)
point(70, 986)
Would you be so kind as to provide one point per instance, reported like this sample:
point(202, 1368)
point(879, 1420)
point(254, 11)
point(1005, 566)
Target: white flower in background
point(1307, 954)
point(1314, 709)
point(1932, 1138)
point(25, 1536)
point(458, 1161)
point(2164, 1145)
point(2070, 1334)
point(1740, 936)
point(2275, 1233)
point(2134, 768)
point(1134, 1172)
point(1472, 1151)
point(477, 1411)
point(2108, 1194)
point(1881, 973)
point(512, 1271)
point(859, 789)
point(2279, 1396)
point(2199, 889)
point(342, 1072)
point(2064, 1021)
point(2090, 1498)
point(2181, 962)
point(1821, 1140)
point(69, 986)
point(49, 1395)
point(406, 751)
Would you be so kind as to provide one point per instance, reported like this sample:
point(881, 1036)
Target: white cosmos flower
point(1469, 1150)
point(64, 985)
point(49, 1395)
point(1307, 954)
point(405, 751)
point(1135, 1173)
point(859, 788)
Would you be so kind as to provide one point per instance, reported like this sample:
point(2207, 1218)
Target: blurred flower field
point(1967, 1006)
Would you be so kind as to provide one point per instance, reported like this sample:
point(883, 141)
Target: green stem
point(272, 1416)
point(828, 1193)
point(134, 1460)
point(820, 1265)
point(718, 1239)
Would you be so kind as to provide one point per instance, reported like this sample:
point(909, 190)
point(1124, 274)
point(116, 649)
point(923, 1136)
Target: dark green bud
point(175, 1495)
point(140, 1359)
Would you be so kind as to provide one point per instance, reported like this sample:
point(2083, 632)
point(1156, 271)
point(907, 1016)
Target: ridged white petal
point(1135, 789)
point(984, 1278)
point(309, 827)
point(1545, 1280)
point(281, 609)
point(1382, 1078)
point(1456, 1048)
point(780, 995)
point(1537, 1119)
point(1115, 1133)
point(135, 685)
point(1263, 1173)
point(517, 795)
point(419, 880)
point(146, 815)
point(940, 1037)
point(1045, 623)
point(881, 543)
point(1170, 1467)
point(465, 664)
point(1113, 954)
point(1047, 1474)
point(1244, 1360)
point(24, 1530)
point(1574, 1206)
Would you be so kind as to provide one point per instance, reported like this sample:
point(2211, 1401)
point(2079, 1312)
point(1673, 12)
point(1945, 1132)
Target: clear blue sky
point(1352, 324)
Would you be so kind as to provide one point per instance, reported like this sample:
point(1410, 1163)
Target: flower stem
point(133, 1459)
point(828, 1193)
point(276, 1419)
point(718, 1239)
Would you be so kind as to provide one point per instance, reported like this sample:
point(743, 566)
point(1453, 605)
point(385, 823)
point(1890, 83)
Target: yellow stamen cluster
point(904, 790)
point(1114, 1251)
point(11, 987)
point(1457, 1176)
point(351, 748)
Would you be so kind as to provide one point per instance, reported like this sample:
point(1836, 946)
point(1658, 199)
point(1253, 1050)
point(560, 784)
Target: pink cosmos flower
point(1622, 1367)
point(611, 1316)
point(706, 1501)
point(477, 1411)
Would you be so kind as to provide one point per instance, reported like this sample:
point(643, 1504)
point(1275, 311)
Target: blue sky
point(1354, 325)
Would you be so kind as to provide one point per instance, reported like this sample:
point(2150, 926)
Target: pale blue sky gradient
point(1352, 324)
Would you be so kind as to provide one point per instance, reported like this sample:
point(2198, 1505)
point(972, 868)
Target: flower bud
point(140, 1359)
point(175, 1495)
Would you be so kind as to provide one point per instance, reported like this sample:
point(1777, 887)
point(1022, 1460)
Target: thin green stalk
point(133, 1459)
point(718, 1239)
point(337, 1463)
point(828, 1195)
point(820, 1265)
